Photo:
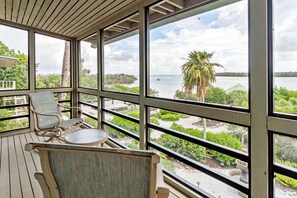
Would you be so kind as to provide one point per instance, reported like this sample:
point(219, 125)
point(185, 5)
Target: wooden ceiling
point(157, 12)
point(65, 17)
point(73, 17)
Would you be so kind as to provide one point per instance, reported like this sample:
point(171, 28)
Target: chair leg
point(51, 139)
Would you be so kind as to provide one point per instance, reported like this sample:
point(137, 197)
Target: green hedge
point(183, 147)
point(288, 181)
point(285, 148)
point(170, 115)
point(225, 139)
point(197, 152)
point(126, 124)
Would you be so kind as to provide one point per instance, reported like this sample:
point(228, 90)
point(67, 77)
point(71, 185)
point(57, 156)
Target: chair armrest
point(79, 109)
point(44, 114)
point(162, 191)
point(42, 182)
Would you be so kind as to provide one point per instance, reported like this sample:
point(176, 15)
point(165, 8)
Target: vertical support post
point(75, 57)
point(143, 69)
point(100, 75)
point(32, 69)
point(258, 97)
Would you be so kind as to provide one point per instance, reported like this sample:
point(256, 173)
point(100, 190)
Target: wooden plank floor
point(17, 168)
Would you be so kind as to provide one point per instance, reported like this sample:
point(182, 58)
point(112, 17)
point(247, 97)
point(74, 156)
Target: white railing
point(7, 84)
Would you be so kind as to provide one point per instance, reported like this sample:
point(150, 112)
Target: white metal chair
point(48, 120)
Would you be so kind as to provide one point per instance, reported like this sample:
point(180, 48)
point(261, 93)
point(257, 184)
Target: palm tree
point(199, 72)
point(65, 68)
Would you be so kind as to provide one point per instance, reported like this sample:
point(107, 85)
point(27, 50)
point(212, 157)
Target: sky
point(223, 31)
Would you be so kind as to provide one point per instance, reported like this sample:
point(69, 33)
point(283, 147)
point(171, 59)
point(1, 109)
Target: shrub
point(170, 115)
point(238, 98)
point(123, 88)
point(285, 179)
point(91, 121)
point(225, 139)
point(154, 121)
point(133, 144)
point(183, 147)
point(285, 148)
point(167, 162)
point(216, 95)
point(134, 114)
point(185, 96)
point(177, 127)
point(114, 133)
point(126, 124)
point(197, 152)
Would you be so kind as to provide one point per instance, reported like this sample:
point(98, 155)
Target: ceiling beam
point(177, 3)
point(167, 6)
point(114, 29)
point(159, 10)
point(125, 25)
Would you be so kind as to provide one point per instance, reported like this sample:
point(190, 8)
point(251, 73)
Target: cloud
point(14, 38)
point(89, 56)
point(223, 31)
point(122, 56)
point(49, 54)
point(228, 41)
point(285, 31)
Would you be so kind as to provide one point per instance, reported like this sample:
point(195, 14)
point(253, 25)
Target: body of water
point(168, 84)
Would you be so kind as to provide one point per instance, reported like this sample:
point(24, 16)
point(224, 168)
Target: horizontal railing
point(243, 119)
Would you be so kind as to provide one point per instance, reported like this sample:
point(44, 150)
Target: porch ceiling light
point(7, 61)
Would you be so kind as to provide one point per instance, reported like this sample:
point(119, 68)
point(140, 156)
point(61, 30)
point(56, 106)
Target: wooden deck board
point(24, 174)
point(4, 172)
point(32, 166)
point(34, 155)
point(17, 167)
point(15, 184)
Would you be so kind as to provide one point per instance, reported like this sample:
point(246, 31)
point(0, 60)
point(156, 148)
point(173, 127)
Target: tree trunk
point(203, 119)
point(65, 68)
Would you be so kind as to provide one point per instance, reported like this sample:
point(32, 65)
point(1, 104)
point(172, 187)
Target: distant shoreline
point(244, 74)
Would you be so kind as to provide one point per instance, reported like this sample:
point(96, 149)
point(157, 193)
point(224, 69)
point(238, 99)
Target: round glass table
point(87, 137)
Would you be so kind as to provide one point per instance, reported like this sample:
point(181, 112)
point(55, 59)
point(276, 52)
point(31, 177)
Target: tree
point(19, 72)
point(65, 68)
point(199, 72)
